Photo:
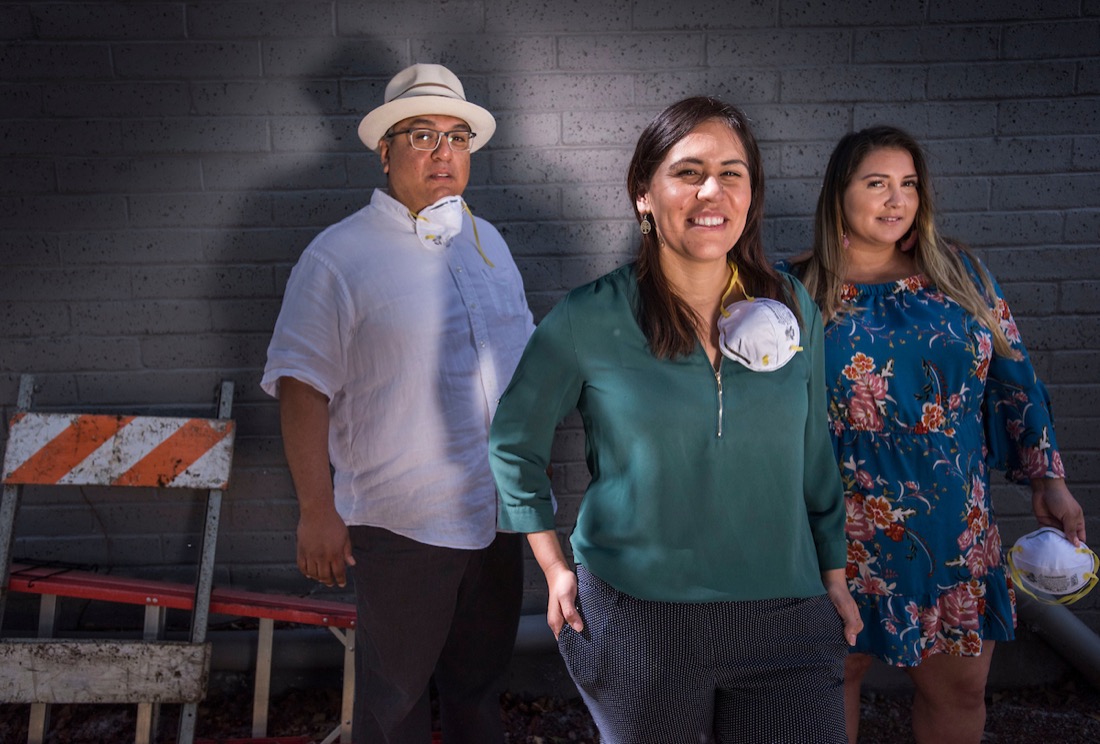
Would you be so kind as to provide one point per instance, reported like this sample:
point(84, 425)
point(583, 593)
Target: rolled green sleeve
point(544, 388)
point(823, 490)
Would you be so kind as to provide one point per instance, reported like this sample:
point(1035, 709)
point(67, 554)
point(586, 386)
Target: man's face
point(418, 178)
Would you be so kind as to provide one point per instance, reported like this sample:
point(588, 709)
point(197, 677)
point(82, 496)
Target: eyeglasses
point(429, 139)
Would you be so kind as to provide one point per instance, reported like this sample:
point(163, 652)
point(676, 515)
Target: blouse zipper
point(718, 379)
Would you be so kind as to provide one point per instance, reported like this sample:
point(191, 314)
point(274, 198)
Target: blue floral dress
point(921, 407)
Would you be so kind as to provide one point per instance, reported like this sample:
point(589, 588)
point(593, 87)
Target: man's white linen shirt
point(413, 346)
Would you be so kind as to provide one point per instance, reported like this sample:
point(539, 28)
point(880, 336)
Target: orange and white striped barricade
point(73, 449)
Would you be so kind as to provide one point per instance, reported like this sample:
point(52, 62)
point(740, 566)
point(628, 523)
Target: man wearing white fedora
point(400, 327)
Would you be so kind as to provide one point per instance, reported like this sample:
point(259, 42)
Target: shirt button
point(473, 306)
point(458, 270)
point(482, 344)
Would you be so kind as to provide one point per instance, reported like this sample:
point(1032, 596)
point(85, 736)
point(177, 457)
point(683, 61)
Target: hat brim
point(377, 122)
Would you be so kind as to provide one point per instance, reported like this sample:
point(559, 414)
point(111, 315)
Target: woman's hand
point(1054, 506)
point(561, 582)
point(561, 607)
point(836, 586)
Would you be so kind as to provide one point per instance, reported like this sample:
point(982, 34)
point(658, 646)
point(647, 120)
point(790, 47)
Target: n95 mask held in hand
point(1046, 566)
point(759, 333)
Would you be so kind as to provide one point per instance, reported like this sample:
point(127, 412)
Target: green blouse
point(705, 487)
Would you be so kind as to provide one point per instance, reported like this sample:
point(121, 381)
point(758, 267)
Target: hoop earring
point(645, 227)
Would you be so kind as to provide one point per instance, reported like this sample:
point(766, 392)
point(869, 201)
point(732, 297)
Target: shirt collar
point(385, 203)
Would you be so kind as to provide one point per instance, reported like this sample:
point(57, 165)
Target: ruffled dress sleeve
point(1017, 415)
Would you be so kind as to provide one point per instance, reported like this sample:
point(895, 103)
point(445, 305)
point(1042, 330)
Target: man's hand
point(324, 548)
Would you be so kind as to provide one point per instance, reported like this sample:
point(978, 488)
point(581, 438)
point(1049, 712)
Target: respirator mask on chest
point(439, 223)
point(759, 333)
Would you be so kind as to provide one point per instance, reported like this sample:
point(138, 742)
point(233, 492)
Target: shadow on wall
point(551, 180)
point(314, 173)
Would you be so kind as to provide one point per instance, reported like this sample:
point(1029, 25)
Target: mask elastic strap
point(735, 281)
point(1091, 576)
point(416, 217)
point(477, 240)
point(1017, 580)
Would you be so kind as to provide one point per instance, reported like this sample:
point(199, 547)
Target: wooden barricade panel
point(101, 450)
point(61, 671)
point(80, 449)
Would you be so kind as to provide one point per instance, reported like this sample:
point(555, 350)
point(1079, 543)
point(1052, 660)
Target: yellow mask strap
point(735, 281)
point(477, 240)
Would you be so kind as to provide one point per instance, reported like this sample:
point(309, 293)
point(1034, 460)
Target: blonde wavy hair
point(823, 269)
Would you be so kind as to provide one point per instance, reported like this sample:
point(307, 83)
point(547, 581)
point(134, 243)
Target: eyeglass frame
point(438, 138)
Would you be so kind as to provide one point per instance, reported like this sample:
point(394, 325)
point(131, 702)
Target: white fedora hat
point(426, 89)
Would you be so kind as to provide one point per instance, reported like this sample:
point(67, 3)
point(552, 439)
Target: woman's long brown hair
point(667, 321)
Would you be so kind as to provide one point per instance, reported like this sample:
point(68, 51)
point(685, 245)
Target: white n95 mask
point(439, 223)
point(1046, 566)
point(759, 333)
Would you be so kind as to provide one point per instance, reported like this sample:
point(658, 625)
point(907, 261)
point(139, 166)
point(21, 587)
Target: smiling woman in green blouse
point(709, 601)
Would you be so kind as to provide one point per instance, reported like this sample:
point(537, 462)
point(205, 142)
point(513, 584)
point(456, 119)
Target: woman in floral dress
point(930, 386)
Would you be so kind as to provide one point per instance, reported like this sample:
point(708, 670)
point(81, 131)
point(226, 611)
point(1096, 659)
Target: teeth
point(708, 221)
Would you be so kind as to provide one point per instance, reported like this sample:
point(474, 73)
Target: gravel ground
point(1066, 713)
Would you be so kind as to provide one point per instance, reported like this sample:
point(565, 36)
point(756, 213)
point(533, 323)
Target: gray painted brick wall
point(166, 162)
